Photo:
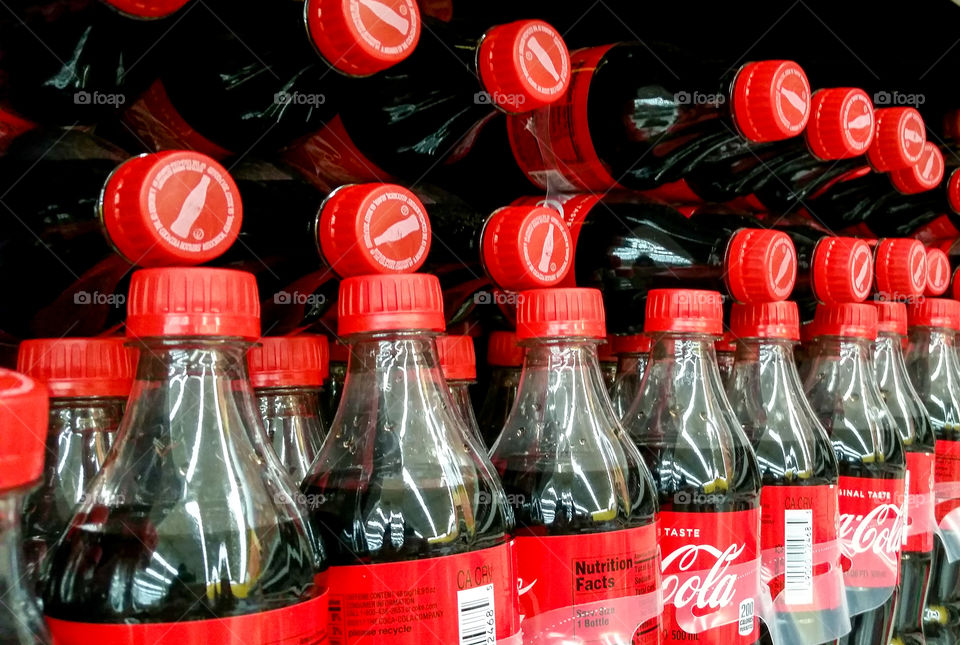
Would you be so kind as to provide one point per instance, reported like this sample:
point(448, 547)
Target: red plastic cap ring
point(938, 272)
point(901, 265)
point(289, 361)
point(841, 123)
point(524, 65)
point(193, 301)
point(373, 228)
point(79, 367)
point(943, 313)
point(691, 311)
point(848, 319)
point(606, 351)
point(953, 191)
point(171, 208)
point(457, 358)
point(526, 247)
point(503, 350)
point(390, 302)
point(147, 8)
point(561, 312)
point(898, 142)
point(922, 176)
point(955, 280)
point(363, 37)
point(842, 270)
point(339, 352)
point(726, 343)
point(766, 320)
point(24, 410)
point(891, 317)
point(761, 265)
point(631, 344)
point(771, 100)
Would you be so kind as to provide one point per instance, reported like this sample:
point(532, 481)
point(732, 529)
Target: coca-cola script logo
point(706, 588)
point(879, 532)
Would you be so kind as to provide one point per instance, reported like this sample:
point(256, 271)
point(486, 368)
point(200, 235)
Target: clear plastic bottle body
point(630, 370)
point(498, 401)
point(333, 390)
point(460, 393)
point(295, 429)
point(20, 619)
point(725, 360)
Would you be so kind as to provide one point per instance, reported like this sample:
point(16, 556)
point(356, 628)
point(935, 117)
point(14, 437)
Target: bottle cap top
point(147, 8)
point(523, 65)
point(339, 352)
point(390, 302)
point(503, 349)
point(571, 311)
point(953, 190)
point(289, 361)
point(363, 37)
point(726, 343)
point(193, 301)
point(171, 208)
point(899, 138)
point(842, 270)
point(692, 311)
point(850, 319)
point(901, 265)
point(934, 312)
point(373, 228)
point(761, 265)
point(841, 123)
point(79, 367)
point(526, 247)
point(938, 272)
point(924, 175)
point(771, 100)
point(457, 359)
point(631, 344)
point(766, 320)
point(23, 429)
point(891, 317)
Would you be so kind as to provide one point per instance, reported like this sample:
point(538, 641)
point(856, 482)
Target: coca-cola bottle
point(706, 475)
point(504, 357)
point(286, 373)
point(399, 462)
point(607, 358)
point(804, 352)
point(931, 216)
point(633, 356)
point(636, 118)
point(842, 390)
point(726, 348)
point(191, 499)
point(339, 353)
point(799, 518)
point(935, 373)
point(830, 269)
point(459, 366)
point(23, 424)
point(89, 380)
point(585, 504)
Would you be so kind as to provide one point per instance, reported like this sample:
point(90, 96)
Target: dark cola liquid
point(850, 202)
point(795, 178)
point(720, 180)
point(100, 572)
point(498, 402)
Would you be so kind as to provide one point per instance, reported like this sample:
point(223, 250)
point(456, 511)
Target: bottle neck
point(685, 361)
point(561, 365)
point(842, 354)
point(898, 392)
point(633, 364)
point(292, 401)
point(86, 414)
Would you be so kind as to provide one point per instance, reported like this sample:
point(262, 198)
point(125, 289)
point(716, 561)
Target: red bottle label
point(435, 600)
point(553, 145)
point(871, 530)
point(920, 523)
point(589, 588)
point(711, 576)
point(946, 476)
point(301, 624)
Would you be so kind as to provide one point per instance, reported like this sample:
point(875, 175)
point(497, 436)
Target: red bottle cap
point(933, 312)
point(692, 311)
point(955, 280)
point(841, 123)
point(842, 270)
point(171, 208)
point(503, 349)
point(526, 247)
point(373, 228)
point(766, 320)
point(79, 367)
point(771, 100)
point(901, 265)
point(524, 65)
point(891, 317)
point(808, 331)
point(457, 359)
point(558, 312)
point(761, 265)
point(193, 301)
point(953, 190)
point(23, 429)
point(363, 37)
point(726, 343)
point(898, 142)
point(606, 352)
point(938, 272)
point(147, 8)
point(390, 302)
point(631, 344)
point(850, 319)
point(289, 361)
point(924, 175)
point(339, 353)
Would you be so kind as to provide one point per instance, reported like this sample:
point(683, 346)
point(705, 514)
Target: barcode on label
point(478, 625)
point(798, 556)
